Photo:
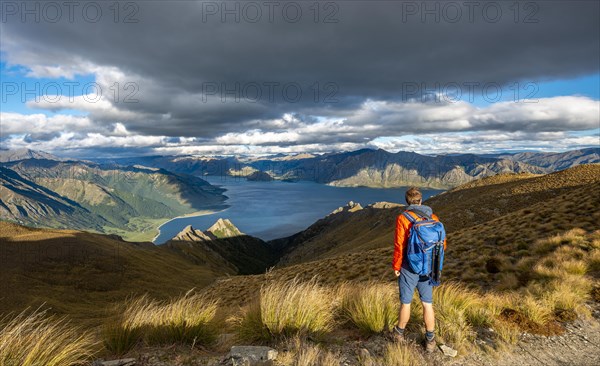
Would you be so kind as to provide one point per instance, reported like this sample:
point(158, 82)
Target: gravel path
point(578, 346)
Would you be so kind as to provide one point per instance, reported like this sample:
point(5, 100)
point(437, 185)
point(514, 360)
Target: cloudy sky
point(98, 78)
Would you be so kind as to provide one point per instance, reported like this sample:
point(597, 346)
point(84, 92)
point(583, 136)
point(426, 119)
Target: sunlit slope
point(482, 200)
point(499, 252)
point(467, 205)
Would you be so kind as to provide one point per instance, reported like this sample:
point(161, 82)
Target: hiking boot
point(430, 345)
point(397, 335)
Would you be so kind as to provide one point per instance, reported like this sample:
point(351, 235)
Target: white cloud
point(99, 107)
point(16, 123)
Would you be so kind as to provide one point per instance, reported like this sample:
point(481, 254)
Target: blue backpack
point(425, 247)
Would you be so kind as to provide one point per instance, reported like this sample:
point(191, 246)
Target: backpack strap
point(410, 217)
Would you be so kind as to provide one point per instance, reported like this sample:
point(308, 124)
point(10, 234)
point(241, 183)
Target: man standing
point(407, 279)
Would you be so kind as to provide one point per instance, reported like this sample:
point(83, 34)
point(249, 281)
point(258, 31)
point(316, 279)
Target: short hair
point(413, 196)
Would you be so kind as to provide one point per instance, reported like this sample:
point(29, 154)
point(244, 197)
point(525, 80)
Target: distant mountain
point(248, 255)
point(375, 168)
point(119, 199)
point(367, 167)
point(557, 161)
point(23, 154)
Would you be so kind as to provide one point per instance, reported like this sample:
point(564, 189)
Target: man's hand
point(397, 273)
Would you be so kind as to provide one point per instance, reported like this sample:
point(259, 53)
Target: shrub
point(36, 339)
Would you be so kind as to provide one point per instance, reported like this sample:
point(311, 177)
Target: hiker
point(408, 279)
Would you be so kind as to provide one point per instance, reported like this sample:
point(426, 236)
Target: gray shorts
point(408, 280)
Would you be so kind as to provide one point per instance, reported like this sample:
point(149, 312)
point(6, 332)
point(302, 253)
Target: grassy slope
point(506, 236)
point(467, 205)
point(81, 274)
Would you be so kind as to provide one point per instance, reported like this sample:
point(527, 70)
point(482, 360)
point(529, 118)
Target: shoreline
point(193, 214)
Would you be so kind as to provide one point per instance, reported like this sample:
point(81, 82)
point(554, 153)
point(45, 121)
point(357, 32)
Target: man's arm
point(399, 240)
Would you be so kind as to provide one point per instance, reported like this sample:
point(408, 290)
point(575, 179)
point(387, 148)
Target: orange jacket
point(403, 226)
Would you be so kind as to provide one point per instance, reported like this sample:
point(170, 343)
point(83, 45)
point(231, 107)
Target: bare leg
point(428, 316)
point(404, 315)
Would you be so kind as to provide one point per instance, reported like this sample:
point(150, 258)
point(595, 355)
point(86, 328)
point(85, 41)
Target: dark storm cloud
point(182, 54)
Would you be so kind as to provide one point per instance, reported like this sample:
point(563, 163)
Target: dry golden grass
point(287, 308)
point(455, 308)
point(300, 352)
point(401, 354)
point(297, 307)
point(541, 288)
point(371, 306)
point(34, 340)
point(188, 319)
point(507, 333)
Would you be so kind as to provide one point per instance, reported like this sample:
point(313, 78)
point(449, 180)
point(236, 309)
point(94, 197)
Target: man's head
point(413, 196)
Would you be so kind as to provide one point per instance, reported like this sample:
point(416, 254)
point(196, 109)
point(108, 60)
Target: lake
point(276, 209)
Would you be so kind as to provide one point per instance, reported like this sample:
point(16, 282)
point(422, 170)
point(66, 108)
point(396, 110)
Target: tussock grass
point(401, 354)
point(249, 325)
point(535, 310)
point(286, 308)
point(372, 307)
point(297, 307)
point(36, 339)
point(508, 281)
point(188, 319)
point(300, 352)
point(308, 355)
point(506, 333)
point(119, 337)
point(594, 260)
point(457, 308)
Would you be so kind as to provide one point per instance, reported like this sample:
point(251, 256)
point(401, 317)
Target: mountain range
point(131, 197)
point(371, 168)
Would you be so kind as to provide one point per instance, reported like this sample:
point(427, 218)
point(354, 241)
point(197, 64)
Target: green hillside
point(128, 201)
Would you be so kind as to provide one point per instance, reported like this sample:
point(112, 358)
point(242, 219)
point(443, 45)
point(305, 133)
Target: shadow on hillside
point(248, 254)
